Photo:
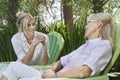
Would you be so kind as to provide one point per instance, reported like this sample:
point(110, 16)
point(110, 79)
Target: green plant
point(72, 40)
point(6, 49)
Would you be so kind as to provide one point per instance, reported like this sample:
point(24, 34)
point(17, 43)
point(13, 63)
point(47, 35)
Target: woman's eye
point(33, 24)
point(28, 25)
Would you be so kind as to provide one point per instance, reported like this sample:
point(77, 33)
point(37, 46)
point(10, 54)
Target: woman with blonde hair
point(30, 46)
point(90, 59)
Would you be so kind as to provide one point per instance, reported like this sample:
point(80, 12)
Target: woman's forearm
point(28, 57)
point(77, 72)
point(44, 55)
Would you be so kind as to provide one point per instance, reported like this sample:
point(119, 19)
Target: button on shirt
point(21, 47)
point(95, 53)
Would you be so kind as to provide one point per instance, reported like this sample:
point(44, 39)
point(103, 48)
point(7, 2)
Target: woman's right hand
point(48, 73)
point(38, 39)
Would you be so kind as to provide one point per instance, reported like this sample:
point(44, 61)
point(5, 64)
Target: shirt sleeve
point(17, 48)
point(65, 58)
point(99, 59)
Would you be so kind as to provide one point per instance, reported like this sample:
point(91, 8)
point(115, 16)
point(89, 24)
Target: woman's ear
point(100, 24)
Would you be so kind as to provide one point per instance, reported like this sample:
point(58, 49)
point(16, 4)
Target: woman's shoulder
point(104, 42)
point(17, 35)
point(100, 42)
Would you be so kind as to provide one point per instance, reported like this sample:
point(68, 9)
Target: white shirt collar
point(23, 38)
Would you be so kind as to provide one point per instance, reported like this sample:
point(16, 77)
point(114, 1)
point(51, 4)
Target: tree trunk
point(68, 14)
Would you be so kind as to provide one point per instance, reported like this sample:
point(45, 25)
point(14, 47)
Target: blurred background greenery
point(69, 20)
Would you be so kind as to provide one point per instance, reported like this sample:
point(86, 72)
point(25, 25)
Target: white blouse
point(21, 47)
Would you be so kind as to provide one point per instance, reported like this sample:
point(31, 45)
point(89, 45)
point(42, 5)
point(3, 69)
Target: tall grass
point(6, 49)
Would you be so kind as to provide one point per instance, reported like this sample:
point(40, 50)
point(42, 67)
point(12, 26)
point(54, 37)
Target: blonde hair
point(108, 27)
point(22, 20)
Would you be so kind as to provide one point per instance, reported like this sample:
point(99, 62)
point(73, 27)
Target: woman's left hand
point(48, 73)
point(41, 38)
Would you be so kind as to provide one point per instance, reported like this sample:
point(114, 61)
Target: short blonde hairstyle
point(108, 27)
point(22, 20)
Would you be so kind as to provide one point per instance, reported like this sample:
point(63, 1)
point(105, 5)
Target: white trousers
point(17, 70)
point(3, 67)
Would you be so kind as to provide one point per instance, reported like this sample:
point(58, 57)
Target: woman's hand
point(41, 39)
point(48, 74)
point(57, 66)
point(38, 39)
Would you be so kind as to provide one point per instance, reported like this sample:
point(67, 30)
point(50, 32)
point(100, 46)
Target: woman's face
point(91, 28)
point(31, 27)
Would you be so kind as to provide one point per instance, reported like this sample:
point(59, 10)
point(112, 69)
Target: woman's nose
point(33, 27)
